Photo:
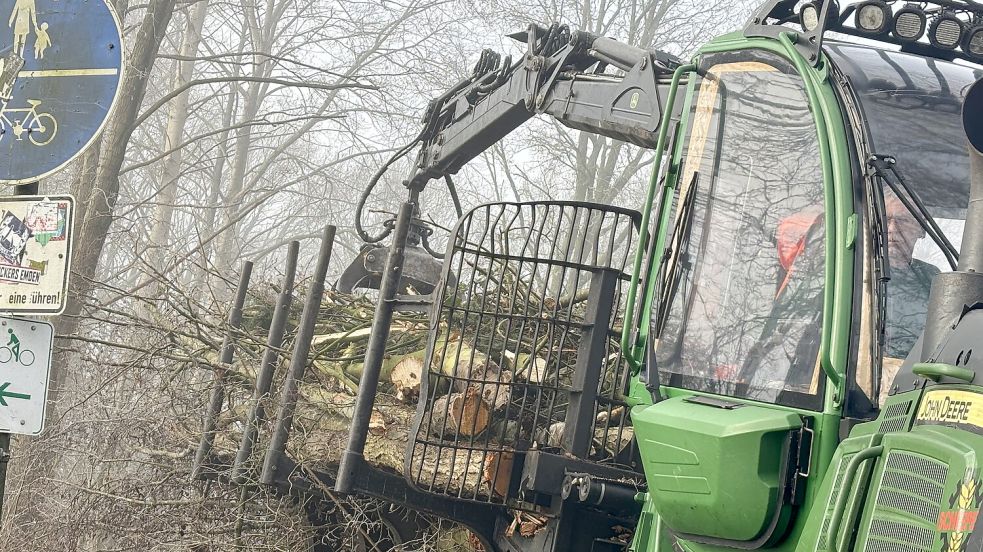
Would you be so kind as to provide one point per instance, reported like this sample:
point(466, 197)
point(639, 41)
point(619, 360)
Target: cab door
point(738, 310)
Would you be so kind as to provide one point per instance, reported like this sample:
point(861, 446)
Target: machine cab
point(789, 276)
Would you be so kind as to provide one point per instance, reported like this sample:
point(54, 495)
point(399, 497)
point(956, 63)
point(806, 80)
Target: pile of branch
point(461, 410)
point(327, 393)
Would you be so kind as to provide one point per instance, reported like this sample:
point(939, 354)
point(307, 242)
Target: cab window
point(740, 300)
point(911, 106)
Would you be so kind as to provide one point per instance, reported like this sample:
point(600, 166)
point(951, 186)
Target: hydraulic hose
point(364, 198)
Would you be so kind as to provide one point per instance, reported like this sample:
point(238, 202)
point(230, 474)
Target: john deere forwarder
point(779, 351)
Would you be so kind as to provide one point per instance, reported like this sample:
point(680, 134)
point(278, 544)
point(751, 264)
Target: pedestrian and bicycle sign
point(35, 254)
point(25, 365)
point(60, 74)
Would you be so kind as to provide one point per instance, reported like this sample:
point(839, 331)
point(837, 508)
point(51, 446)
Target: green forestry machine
point(777, 351)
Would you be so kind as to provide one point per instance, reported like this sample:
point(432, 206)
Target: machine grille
point(919, 466)
point(827, 516)
point(899, 537)
point(895, 417)
point(911, 488)
point(529, 292)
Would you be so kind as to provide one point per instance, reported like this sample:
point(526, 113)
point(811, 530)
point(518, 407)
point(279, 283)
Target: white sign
point(35, 253)
point(25, 364)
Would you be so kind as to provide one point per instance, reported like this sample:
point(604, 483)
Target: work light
point(809, 16)
point(946, 31)
point(973, 44)
point(909, 23)
point(811, 11)
point(873, 17)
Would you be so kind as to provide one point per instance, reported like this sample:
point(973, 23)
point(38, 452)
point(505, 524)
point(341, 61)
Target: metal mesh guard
point(507, 331)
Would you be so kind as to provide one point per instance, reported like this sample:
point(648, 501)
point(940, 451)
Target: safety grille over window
point(523, 352)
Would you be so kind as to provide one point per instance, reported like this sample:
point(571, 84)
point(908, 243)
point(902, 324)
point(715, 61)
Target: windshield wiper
point(882, 263)
point(885, 167)
point(675, 256)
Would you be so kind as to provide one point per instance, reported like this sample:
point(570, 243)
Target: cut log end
point(498, 471)
point(406, 377)
point(460, 414)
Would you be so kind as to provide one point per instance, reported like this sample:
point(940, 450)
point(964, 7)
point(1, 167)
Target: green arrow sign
point(4, 394)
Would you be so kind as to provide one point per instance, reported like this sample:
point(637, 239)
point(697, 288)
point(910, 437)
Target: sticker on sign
point(35, 253)
point(25, 365)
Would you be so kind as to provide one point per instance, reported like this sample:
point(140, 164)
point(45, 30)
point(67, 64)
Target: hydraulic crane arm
point(560, 75)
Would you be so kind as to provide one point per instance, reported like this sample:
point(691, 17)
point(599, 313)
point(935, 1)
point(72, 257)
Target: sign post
point(23, 189)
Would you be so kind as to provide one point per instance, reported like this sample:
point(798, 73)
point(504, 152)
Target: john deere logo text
point(945, 409)
point(952, 407)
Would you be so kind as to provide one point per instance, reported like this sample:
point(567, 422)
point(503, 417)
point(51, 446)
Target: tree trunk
point(97, 186)
point(174, 135)
point(262, 39)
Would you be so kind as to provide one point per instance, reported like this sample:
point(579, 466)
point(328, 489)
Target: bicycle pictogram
point(12, 351)
point(40, 127)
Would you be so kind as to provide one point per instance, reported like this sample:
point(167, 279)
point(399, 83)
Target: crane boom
point(561, 75)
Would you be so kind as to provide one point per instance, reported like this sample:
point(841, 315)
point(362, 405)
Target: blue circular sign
point(60, 73)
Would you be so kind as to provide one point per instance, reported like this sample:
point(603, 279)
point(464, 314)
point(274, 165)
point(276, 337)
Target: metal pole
point(218, 376)
point(30, 188)
point(264, 380)
point(368, 386)
point(577, 433)
point(298, 361)
point(4, 460)
point(971, 251)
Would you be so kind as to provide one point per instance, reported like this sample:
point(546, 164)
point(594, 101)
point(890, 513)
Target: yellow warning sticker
point(947, 406)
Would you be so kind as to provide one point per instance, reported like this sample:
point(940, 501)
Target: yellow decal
point(957, 524)
point(952, 407)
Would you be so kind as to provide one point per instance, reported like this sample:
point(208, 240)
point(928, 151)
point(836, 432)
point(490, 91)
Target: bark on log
point(354, 370)
point(458, 471)
point(526, 367)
